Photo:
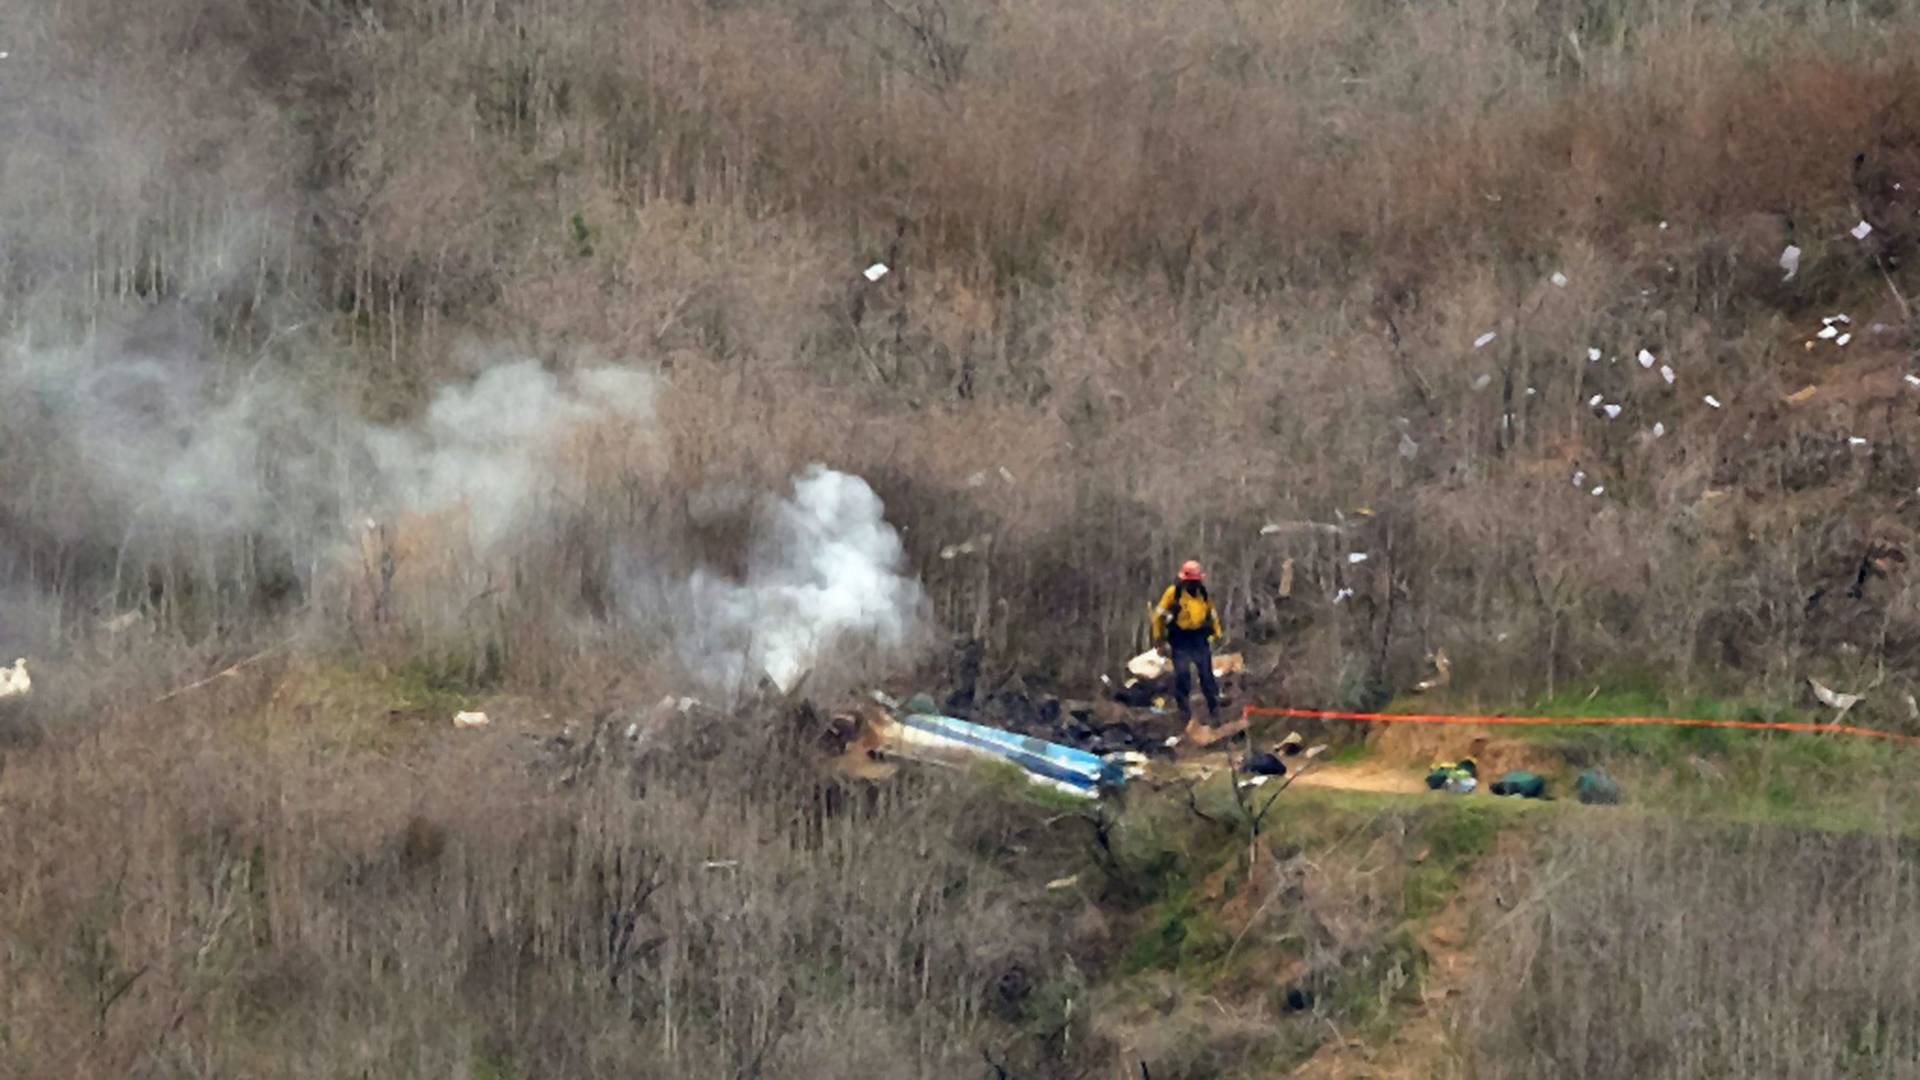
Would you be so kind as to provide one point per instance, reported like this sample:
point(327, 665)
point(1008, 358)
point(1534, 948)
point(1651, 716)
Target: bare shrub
point(1662, 950)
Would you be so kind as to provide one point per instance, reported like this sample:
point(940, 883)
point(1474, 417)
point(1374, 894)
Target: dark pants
point(1194, 652)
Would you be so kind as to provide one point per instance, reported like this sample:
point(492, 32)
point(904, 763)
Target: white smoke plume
point(144, 446)
point(156, 452)
point(826, 590)
point(488, 447)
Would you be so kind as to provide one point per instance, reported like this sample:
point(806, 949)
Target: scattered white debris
point(1595, 400)
point(633, 731)
point(1843, 339)
point(1480, 382)
point(1833, 699)
point(954, 551)
point(1005, 475)
point(1599, 491)
point(1862, 230)
point(1484, 339)
point(1172, 741)
point(1593, 355)
point(1659, 429)
point(1855, 440)
point(14, 681)
point(1790, 262)
point(1827, 333)
point(1531, 391)
point(1356, 558)
point(876, 271)
point(1559, 279)
point(1663, 226)
point(1149, 665)
point(1712, 402)
point(1271, 528)
point(1254, 781)
point(470, 719)
point(1913, 380)
point(1063, 883)
point(977, 480)
point(1667, 374)
point(1612, 411)
point(1408, 448)
point(1646, 358)
point(1843, 317)
point(1343, 594)
point(1579, 478)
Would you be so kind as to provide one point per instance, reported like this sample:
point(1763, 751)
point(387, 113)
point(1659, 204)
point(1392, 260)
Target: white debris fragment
point(1646, 358)
point(1843, 317)
point(1855, 440)
point(1663, 226)
point(470, 719)
point(1667, 374)
point(1612, 411)
point(1484, 339)
point(1356, 558)
point(1531, 391)
point(1827, 333)
point(1843, 339)
point(1408, 448)
point(1005, 475)
point(1833, 699)
point(1595, 400)
point(14, 681)
point(954, 551)
point(1559, 279)
point(977, 480)
point(1712, 402)
point(1271, 528)
point(876, 271)
point(1480, 382)
point(1172, 741)
point(1790, 262)
point(1659, 429)
point(1593, 355)
point(1342, 595)
point(1599, 491)
point(1913, 380)
point(1862, 230)
point(1579, 478)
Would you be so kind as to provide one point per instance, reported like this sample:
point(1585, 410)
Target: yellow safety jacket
point(1185, 615)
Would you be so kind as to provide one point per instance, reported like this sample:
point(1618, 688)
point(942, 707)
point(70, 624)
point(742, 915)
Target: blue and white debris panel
point(950, 740)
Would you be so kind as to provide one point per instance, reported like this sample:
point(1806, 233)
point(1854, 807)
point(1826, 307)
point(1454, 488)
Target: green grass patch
point(1457, 832)
point(1179, 936)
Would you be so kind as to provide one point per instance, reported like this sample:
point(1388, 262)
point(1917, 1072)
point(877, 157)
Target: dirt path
point(1363, 776)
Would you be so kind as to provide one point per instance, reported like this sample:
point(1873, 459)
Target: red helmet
point(1190, 571)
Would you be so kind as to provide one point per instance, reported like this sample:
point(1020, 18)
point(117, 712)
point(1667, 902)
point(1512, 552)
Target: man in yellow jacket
point(1185, 627)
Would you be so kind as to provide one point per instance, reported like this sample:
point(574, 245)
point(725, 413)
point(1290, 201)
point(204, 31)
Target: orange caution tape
point(1597, 721)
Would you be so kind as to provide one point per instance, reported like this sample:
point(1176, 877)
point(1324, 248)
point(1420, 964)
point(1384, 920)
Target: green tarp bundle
point(1524, 785)
point(1596, 787)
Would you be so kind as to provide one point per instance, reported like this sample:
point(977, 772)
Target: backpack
point(1191, 611)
